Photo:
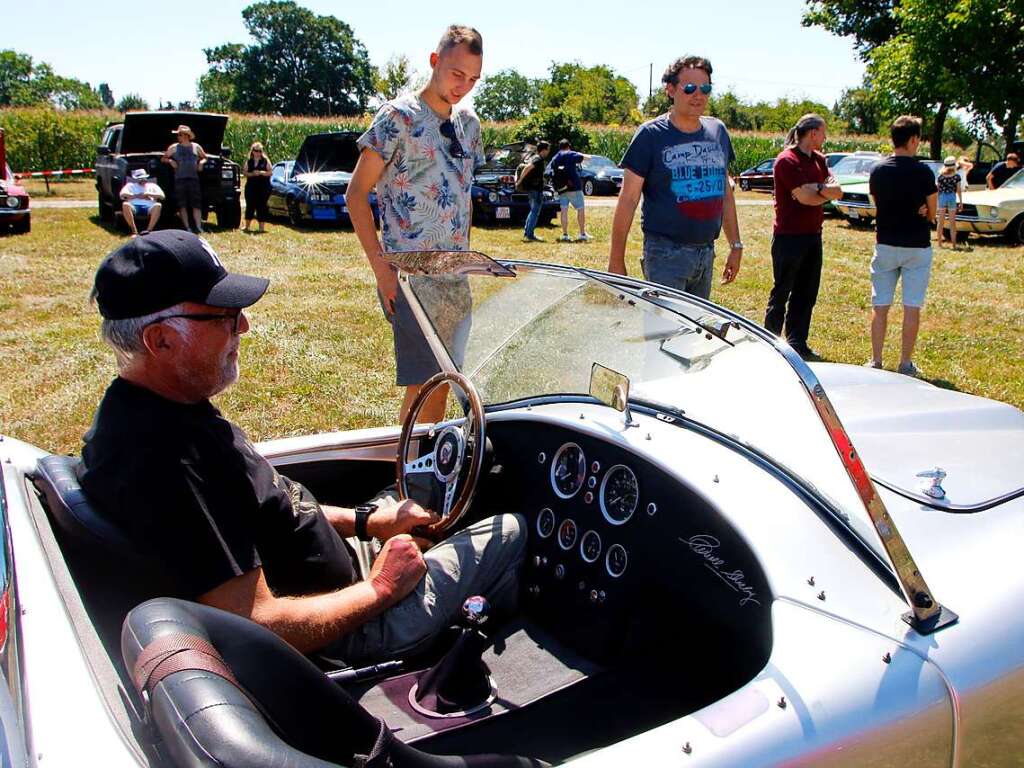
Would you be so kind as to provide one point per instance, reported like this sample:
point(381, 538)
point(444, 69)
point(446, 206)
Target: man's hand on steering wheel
point(394, 517)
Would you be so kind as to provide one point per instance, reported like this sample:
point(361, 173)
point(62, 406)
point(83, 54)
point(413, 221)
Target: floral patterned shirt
point(424, 192)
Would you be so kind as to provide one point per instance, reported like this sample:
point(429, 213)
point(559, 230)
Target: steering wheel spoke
point(449, 496)
point(424, 465)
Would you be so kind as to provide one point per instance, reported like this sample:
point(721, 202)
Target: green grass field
point(319, 355)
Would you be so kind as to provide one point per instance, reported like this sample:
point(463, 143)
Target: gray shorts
point(414, 362)
point(187, 193)
point(574, 198)
point(683, 266)
point(483, 559)
point(891, 263)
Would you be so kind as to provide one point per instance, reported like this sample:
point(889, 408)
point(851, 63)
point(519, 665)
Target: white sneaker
point(909, 369)
point(565, 239)
point(584, 238)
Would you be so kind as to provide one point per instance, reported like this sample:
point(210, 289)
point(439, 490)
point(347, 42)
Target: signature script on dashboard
point(705, 546)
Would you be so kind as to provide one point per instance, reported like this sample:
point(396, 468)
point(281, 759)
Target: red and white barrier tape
point(41, 174)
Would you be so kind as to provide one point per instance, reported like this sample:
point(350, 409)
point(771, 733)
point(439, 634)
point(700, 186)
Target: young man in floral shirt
point(420, 153)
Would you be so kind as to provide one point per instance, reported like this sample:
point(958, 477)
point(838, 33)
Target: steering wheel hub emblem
point(448, 452)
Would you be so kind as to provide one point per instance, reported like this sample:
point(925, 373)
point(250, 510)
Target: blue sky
point(757, 47)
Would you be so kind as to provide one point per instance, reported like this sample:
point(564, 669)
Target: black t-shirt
point(1001, 172)
point(900, 186)
point(535, 181)
point(188, 486)
point(257, 184)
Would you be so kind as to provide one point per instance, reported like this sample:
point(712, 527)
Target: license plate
point(503, 212)
point(328, 214)
point(854, 214)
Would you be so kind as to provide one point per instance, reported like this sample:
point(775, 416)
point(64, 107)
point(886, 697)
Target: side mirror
point(225, 151)
point(102, 149)
point(612, 389)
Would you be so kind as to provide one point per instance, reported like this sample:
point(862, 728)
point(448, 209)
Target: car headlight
point(993, 212)
point(13, 202)
point(227, 173)
point(600, 174)
point(548, 193)
point(493, 197)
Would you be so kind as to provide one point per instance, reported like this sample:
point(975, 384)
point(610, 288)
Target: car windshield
point(1014, 182)
point(853, 165)
point(8, 176)
point(597, 161)
point(538, 334)
point(332, 154)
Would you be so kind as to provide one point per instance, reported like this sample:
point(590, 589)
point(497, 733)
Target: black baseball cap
point(157, 270)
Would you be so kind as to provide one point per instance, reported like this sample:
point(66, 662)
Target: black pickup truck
point(141, 140)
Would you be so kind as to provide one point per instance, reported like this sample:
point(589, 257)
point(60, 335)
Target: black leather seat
point(283, 711)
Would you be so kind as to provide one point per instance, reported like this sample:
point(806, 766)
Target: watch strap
point(363, 512)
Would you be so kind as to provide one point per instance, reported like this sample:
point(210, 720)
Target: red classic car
point(14, 204)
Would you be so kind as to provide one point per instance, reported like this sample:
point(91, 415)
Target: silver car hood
point(903, 426)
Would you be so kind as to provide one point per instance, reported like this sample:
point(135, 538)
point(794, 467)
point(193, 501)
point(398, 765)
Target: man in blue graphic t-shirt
point(679, 162)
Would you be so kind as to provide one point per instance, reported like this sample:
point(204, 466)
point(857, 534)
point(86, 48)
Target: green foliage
point(301, 63)
point(869, 22)
point(43, 138)
point(106, 95)
point(658, 103)
point(506, 95)
point(596, 94)
point(25, 83)
point(554, 125)
point(860, 109)
point(132, 102)
point(395, 78)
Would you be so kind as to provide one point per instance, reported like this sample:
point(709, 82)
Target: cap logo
point(209, 250)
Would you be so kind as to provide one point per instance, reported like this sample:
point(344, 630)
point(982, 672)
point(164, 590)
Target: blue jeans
point(536, 202)
point(688, 267)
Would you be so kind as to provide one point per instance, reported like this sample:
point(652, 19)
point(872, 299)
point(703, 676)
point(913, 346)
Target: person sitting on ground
point(218, 524)
point(141, 197)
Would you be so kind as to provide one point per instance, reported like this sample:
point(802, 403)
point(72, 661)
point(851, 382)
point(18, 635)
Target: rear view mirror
point(612, 389)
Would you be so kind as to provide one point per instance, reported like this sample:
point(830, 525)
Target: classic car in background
point(600, 176)
point(856, 203)
point(495, 198)
point(141, 139)
point(15, 209)
point(312, 187)
point(995, 211)
point(815, 573)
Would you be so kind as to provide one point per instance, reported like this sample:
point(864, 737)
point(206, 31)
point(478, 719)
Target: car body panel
point(760, 176)
point(15, 203)
point(603, 175)
point(495, 197)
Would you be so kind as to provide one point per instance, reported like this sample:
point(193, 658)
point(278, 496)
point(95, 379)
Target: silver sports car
point(734, 559)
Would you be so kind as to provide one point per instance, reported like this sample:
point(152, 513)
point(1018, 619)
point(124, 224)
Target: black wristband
point(363, 512)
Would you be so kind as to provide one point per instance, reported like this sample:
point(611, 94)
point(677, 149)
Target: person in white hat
point(141, 197)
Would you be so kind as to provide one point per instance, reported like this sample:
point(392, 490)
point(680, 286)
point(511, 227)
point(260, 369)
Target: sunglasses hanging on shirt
point(454, 148)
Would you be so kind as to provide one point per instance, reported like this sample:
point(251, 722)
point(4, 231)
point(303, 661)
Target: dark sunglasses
point(454, 148)
point(235, 319)
point(691, 88)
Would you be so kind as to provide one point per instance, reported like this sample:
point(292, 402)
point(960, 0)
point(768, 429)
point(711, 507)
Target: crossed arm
point(810, 194)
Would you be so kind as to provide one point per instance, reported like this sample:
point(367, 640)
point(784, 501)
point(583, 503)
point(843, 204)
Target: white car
point(733, 559)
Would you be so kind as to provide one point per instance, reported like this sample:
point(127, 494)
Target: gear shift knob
point(475, 610)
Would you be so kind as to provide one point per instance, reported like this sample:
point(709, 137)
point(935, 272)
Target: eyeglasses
point(235, 318)
point(454, 148)
point(691, 88)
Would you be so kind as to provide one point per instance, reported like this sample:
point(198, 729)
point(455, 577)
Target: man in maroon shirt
point(803, 184)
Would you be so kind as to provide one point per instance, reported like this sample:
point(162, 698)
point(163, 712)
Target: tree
point(300, 63)
point(25, 83)
point(132, 102)
point(396, 78)
point(507, 95)
point(554, 125)
point(216, 89)
point(596, 94)
point(658, 103)
point(869, 22)
point(106, 95)
point(859, 108)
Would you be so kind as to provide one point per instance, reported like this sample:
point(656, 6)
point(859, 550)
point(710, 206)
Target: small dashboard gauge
point(590, 546)
point(545, 523)
point(620, 494)
point(568, 470)
point(616, 560)
point(567, 534)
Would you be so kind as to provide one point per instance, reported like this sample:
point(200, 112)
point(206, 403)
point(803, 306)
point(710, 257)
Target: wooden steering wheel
point(457, 458)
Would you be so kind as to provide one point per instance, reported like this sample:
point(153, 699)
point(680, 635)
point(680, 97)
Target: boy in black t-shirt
point(905, 200)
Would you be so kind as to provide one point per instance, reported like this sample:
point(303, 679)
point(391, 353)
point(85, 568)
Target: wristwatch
point(737, 246)
point(820, 187)
point(363, 512)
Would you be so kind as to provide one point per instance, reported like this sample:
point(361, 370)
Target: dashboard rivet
point(715, 479)
point(687, 749)
point(887, 658)
point(781, 702)
point(811, 581)
point(821, 595)
point(581, 417)
point(648, 435)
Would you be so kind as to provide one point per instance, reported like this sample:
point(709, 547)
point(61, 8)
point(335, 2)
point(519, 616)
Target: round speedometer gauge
point(568, 470)
point(620, 494)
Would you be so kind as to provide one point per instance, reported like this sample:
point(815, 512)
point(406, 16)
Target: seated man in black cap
point(218, 523)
